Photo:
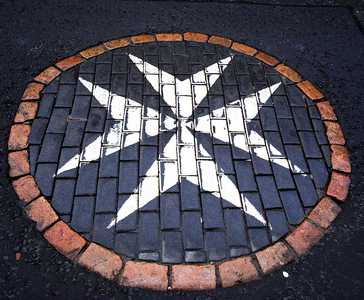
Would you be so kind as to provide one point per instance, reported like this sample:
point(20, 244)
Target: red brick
point(326, 111)
point(191, 277)
point(101, 260)
point(325, 212)
point(19, 137)
point(117, 43)
point(145, 275)
point(32, 91)
point(237, 271)
point(64, 239)
point(340, 159)
point(310, 90)
point(195, 37)
point(41, 212)
point(93, 51)
point(338, 186)
point(143, 38)
point(244, 49)
point(70, 62)
point(27, 111)
point(26, 188)
point(18, 163)
point(18, 256)
point(274, 257)
point(167, 37)
point(47, 75)
point(267, 59)
point(334, 133)
point(304, 237)
point(289, 73)
point(218, 40)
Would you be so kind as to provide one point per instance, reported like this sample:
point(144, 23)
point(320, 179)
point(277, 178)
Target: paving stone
point(69, 76)
point(87, 178)
point(65, 95)
point(229, 191)
point(39, 127)
point(88, 66)
point(96, 120)
point(100, 95)
point(126, 243)
point(223, 159)
point(149, 234)
point(278, 225)
point(268, 191)
point(119, 64)
point(282, 174)
point(82, 214)
point(58, 120)
point(306, 190)
point(195, 256)
point(208, 177)
point(129, 221)
point(190, 195)
point(172, 249)
point(215, 245)
point(45, 177)
point(281, 107)
point(130, 146)
point(106, 195)
point(254, 212)
point(310, 146)
point(240, 148)
point(46, 105)
point(319, 172)
point(101, 233)
point(212, 211)
point(33, 157)
point(260, 161)
point(147, 163)
point(102, 74)
point(245, 176)
point(301, 119)
point(192, 230)
point(296, 159)
point(235, 227)
point(255, 133)
point(296, 98)
point(274, 144)
point(68, 162)
point(51, 148)
point(74, 133)
point(258, 238)
point(149, 194)
point(91, 147)
point(128, 177)
point(62, 198)
point(80, 107)
point(81, 87)
point(170, 211)
point(269, 121)
point(109, 162)
point(288, 131)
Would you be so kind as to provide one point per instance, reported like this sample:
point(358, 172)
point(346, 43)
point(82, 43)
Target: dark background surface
point(324, 43)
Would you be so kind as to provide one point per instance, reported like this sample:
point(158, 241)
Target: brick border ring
point(179, 276)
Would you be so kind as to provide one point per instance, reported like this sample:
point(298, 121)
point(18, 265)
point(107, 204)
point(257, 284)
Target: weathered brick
point(191, 277)
point(334, 133)
point(218, 40)
point(237, 270)
point(266, 58)
point(64, 239)
point(117, 43)
point(195, 37)
point(310, 90)
point(304, 237)
point(244, 49)
point(26, 111)
point(47, 75)
point(340, 159)
point(339, 186)
point(325, 212)
point(142, 38)
point(18, 163)
point(69, 62)
point(145, 275)
point(93, 51)
point(167, 37)
point(19, 137)
point(289, 73)
point(26, 188)
point(274, 256)
point(326, 111)
point(41, 212)
point(98, 259)
point(32, 91)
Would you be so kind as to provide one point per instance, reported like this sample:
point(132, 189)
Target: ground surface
point(325, 45)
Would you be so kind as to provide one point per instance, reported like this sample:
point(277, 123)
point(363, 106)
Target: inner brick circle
point(179, 152)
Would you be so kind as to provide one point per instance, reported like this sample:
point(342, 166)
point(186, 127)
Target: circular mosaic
point(177, 151)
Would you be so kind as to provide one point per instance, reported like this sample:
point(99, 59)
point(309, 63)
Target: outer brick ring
point(180, 276)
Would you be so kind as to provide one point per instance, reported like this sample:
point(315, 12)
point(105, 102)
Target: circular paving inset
point(182, 150)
